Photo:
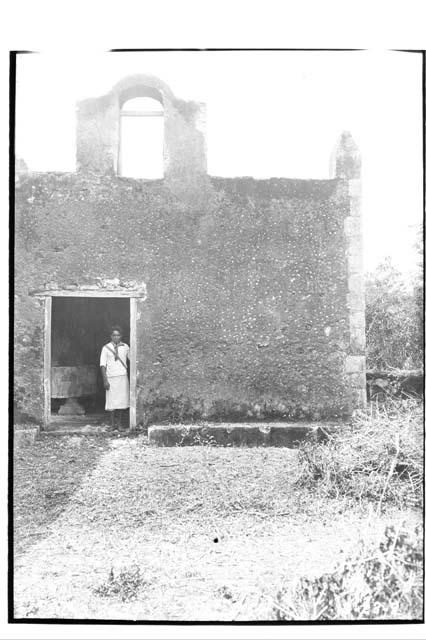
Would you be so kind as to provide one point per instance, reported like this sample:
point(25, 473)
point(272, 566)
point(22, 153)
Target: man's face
point(116, 336)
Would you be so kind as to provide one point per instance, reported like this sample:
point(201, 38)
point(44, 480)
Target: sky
point(269, 114)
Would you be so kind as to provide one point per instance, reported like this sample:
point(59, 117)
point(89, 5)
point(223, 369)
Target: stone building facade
point(241, 299)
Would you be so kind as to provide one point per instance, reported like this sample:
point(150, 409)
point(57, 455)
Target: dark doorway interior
point(80, 328)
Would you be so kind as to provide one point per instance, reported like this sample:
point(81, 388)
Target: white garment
point(117, 396)
point(114, 367)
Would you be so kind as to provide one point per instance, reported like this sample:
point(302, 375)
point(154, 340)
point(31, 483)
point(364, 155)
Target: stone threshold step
point(249, 435)
point(76, 430)
point(75, 420)
point(24, 436)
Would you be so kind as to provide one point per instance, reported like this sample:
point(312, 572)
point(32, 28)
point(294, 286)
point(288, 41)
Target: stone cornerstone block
point(355, 364)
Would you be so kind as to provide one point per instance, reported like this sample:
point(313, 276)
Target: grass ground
point(110, 528)
point(45, 476)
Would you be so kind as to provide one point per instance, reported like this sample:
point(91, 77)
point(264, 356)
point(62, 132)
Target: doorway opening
point(79, 328)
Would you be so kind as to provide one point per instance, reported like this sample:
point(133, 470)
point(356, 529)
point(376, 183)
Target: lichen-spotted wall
point(247, 313)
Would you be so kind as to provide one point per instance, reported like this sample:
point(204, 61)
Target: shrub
point(125, 585)
point(384, 583)
point(379, 457)
point(393, 319)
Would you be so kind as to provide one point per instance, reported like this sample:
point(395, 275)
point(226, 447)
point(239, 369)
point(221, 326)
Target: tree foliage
point(394, 318)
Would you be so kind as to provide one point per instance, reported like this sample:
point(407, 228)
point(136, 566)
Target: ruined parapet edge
point(98, 129)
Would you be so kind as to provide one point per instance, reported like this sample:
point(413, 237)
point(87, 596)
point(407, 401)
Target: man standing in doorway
point(114, 365)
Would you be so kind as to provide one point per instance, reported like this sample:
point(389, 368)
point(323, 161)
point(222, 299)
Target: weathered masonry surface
point(253, 304)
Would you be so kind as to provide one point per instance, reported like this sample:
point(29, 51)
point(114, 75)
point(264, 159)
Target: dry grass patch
point(196, 533)
point(211, 530)
point(45, 475)
point(378, 458)
point(377, 582)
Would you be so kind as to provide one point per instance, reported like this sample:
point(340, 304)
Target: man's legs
point(118, 418)
point(122, 419)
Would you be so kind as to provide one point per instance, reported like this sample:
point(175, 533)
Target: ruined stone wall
point(98, 129)
point(247, 312)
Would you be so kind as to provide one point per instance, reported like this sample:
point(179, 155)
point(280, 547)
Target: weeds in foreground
point(125, 585)
point(384, 583)
point(379, 457)
point(196, 439)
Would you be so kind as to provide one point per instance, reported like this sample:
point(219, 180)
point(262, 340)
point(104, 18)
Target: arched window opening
point(141, 139)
